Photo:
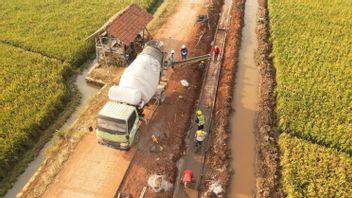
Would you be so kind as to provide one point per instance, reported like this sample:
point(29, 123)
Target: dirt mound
point(268, 172)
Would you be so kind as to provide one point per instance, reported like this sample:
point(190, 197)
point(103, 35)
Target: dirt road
point(92, 171)
point(181, 26)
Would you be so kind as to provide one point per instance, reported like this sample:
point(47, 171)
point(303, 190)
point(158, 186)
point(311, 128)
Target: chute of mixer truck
point(119, 120)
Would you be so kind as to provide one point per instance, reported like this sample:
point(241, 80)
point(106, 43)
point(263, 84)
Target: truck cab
point(117, 125)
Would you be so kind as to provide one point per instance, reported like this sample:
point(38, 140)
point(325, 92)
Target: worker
point(201, 66)
point(172, 57)
point(216, 52)
point(200, 120)
point(200, 137)
point(187, 177)
point(184, 52)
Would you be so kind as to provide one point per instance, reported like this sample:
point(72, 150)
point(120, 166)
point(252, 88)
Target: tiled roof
point(128, 23)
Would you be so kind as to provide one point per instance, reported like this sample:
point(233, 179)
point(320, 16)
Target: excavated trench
point(245, 96)
point(87, 92)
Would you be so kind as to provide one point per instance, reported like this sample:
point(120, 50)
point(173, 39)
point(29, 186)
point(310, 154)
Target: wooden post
point(149, 34)
point(96, 48)
point(110, 50)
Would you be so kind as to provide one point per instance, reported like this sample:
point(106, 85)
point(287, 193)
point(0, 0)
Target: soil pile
point(268, 172)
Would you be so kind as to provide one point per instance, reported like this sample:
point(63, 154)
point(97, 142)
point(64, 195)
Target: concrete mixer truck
point(119, 120)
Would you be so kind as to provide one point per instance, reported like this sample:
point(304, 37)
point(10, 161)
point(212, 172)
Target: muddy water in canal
point(244, 104)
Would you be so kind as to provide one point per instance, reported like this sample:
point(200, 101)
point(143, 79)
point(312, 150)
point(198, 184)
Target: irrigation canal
point(245, 106)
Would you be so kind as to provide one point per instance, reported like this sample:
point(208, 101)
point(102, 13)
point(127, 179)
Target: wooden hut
point(120, 38)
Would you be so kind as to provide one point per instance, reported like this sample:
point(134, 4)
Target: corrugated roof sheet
point(128, 23)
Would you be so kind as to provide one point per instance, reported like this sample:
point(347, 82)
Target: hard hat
point(199, 112)
point(200, 133)
point(172, 51)
point(183, 46)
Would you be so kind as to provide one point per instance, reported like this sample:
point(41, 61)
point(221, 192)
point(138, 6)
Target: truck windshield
point(112, 126)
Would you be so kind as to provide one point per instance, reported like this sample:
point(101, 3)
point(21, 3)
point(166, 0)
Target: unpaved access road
point(93, 170)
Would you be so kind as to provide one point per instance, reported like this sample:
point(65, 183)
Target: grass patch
point(154, 6)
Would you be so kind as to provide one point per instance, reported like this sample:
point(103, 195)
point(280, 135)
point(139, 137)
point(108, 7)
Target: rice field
point(311, 170)
point(312, 55)
point(32, 92)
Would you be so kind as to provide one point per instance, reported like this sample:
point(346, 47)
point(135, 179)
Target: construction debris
point(159, 183)
point(155, 139)
point(216, 189)
point(123, 195)
point(184, 83)
point(143, 192)
point(202, 18)
point(156, 148)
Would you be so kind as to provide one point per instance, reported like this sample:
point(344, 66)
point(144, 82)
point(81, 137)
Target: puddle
point(245, 102)
point(87, 92)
